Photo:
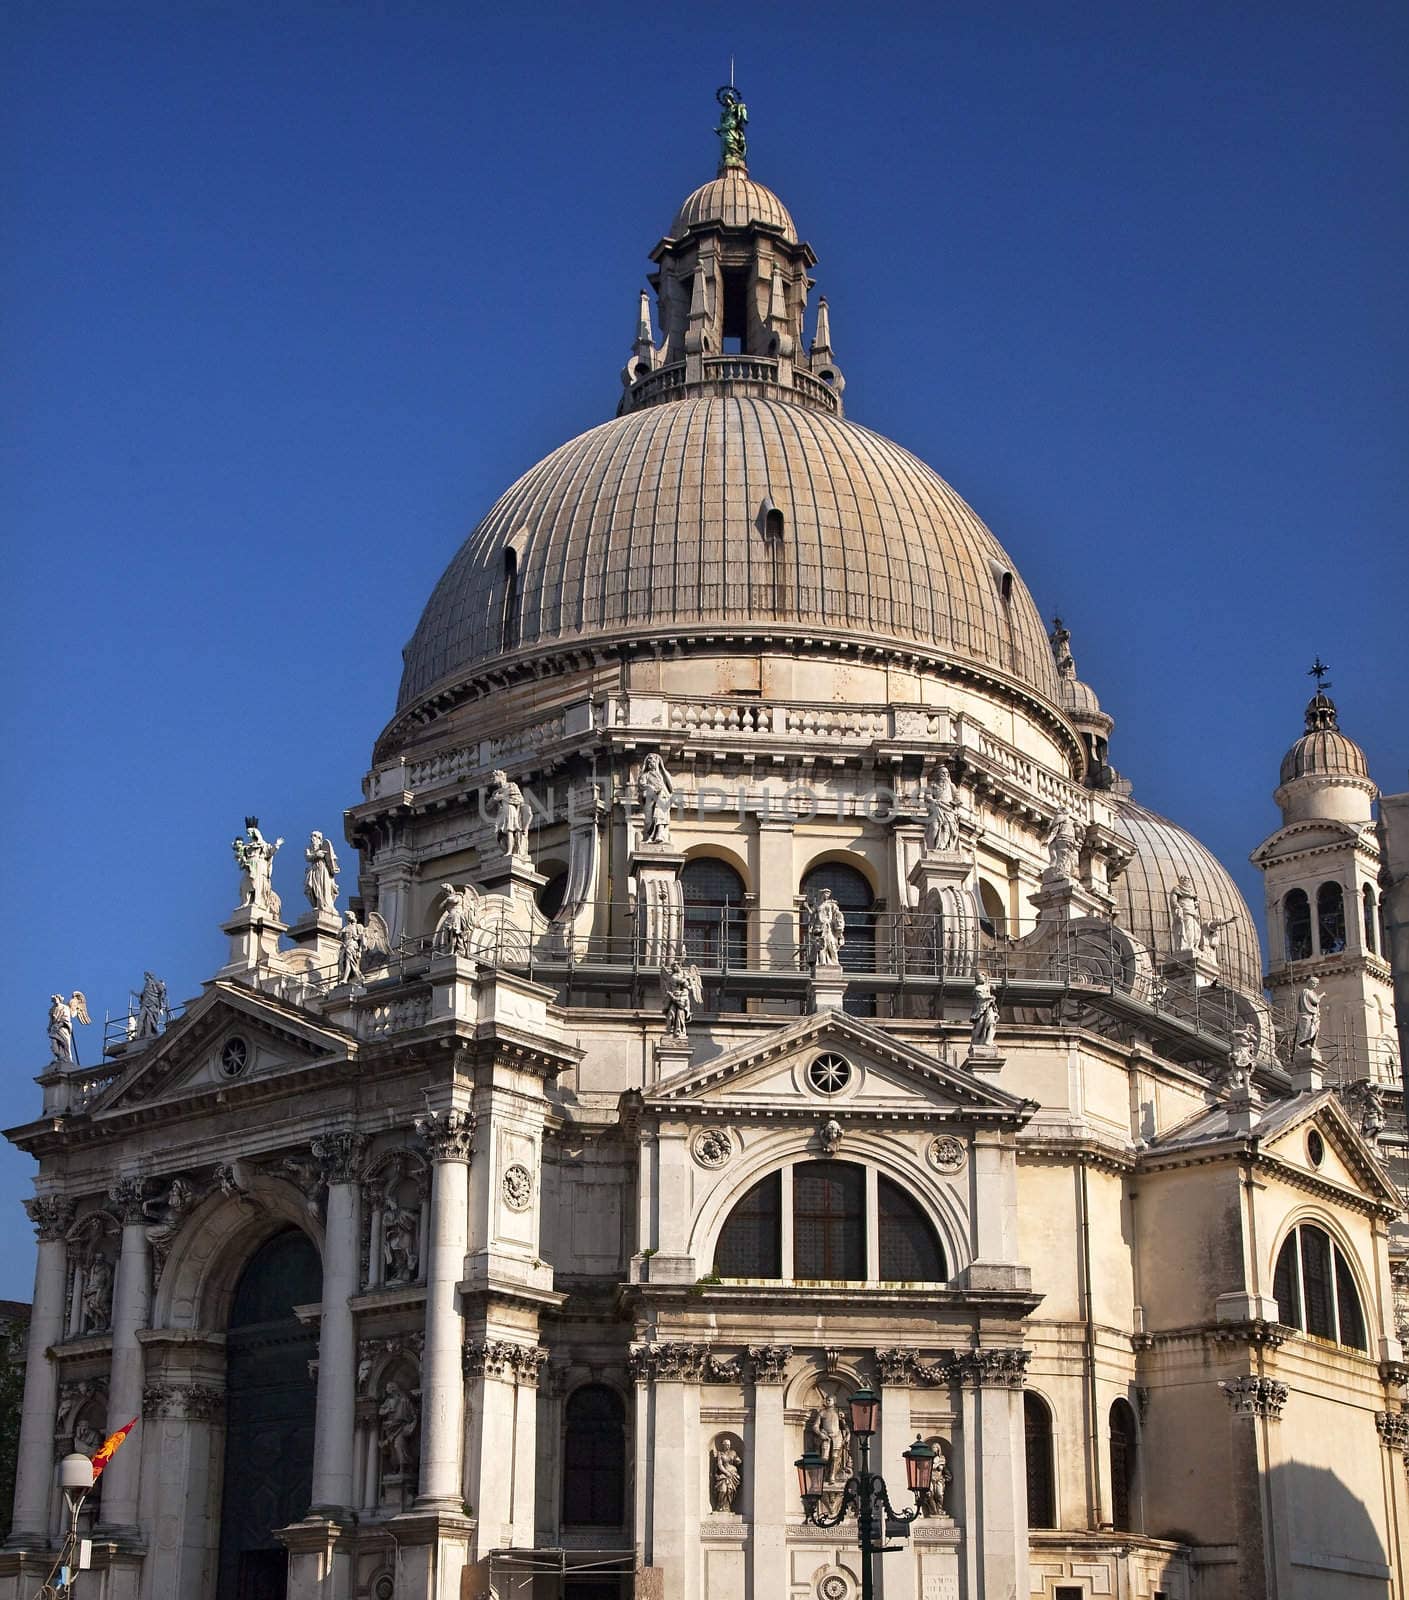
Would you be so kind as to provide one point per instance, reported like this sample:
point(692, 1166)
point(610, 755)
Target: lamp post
point(76, 1480)
point(865, 1491)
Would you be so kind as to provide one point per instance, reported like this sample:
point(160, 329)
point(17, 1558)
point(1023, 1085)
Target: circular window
point(1315, 1148)
point(829, 1074)
point(234, 1057)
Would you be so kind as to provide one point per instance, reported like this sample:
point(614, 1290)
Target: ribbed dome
point(734, 200)
point(652, 525)
point(1323, 750)
point(1163, 851)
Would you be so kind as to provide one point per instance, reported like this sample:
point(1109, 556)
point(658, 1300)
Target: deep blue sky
point(291, 292)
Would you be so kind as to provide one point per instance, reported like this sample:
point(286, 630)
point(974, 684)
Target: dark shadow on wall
point(1325, 1537)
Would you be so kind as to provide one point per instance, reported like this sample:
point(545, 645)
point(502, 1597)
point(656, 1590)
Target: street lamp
point(76, 1477)
point(865, 1491)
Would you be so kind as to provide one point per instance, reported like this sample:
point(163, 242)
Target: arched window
point(594, 1458)
point(909, 1251)
point(1296, 924)
point(509, 618)
point(1368, 919)
point(715, 920)
point(551, 895)
point(1123, 1462)
point(1330, 919)
point(1037, 1437)
point(829, 1220)
point(1315, 1288)
point(852, 893)
point(993, 915)
point(750, 1243)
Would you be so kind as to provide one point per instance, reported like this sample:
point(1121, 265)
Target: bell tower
point(1320, 872)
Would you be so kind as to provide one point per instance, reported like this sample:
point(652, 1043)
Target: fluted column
point(131, 1306)
point(448, 1136)
point(339, 1155)
point(34, 1474)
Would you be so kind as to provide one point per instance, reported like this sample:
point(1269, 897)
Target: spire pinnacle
point(822, 339)
point(734, 116)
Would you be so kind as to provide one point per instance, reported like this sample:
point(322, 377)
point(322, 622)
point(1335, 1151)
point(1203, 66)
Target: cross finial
point(1318, 670)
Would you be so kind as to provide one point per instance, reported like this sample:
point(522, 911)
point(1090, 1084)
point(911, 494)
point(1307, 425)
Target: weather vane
point(1318, 670)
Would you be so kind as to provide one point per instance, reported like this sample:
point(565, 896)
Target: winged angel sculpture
point(361, 943)
point(62, 1016)
point(459, 922)
point(682, 989)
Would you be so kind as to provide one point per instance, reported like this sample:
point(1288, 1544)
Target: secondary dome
point(733, 200)
point(1163, 852)
point(1323, 751)
point(729, 512)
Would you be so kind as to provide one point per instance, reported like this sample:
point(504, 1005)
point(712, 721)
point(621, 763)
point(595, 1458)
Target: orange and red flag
point(108, 1449)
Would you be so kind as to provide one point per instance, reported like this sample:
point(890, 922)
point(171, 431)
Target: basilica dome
point(731, 512)
point(733, 200)
point(1163, 853)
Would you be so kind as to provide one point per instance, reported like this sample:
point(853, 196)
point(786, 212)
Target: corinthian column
point(51, 1217)
point(340, 1156)
point(448, 1136)
point(131, 1303)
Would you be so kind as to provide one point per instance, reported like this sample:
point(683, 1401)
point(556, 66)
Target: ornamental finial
point(734, 116)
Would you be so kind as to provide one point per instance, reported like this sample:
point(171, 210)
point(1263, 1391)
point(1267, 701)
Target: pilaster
point(339, 1155)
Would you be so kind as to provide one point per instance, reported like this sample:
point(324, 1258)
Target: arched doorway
point(269, 1401)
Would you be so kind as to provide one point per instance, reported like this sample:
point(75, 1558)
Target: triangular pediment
point(1347, 1158)
point(230, 1035)
point(884, 1074)
point(1316, 833)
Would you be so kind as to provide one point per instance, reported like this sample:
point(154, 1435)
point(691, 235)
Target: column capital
point(672, 1360)
point(989, 1369)
point(339, 1155)
point(447, 1135)
point(1251, 1396)
point(768, 1363)
point(502, 1358)
point(1393, 1428)
point(51, 1214)
point(897, 1365)
point(195, 1402)
point(128, 1195)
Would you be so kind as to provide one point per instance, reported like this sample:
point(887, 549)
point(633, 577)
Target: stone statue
point(512, 814)
point(983, 1015)
point(151, 1006)
point(97, 1303)
point(733, 119)
point(254, 855)
point(1241, 1059)
point(1062, 854)
point(1060, 638)
point(1213, 935)
point(167, 1212)
point(399, 1243)
point(62, 1016)
point(726, 1471)
point(455, 931)
point(1372, 1113)
point(320, 881)
point(932, 1501)
point(941, 813)
point(826, 931)
point(1308, 1015)
point(396, 1424)
point(654, 788)
point(87, 1441)
point(1186, 926)
point(682, 989)
point(830, 1432)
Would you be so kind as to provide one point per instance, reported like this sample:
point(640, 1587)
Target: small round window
point(234, 1057)
point(1315, 1148)
point(829, 1074)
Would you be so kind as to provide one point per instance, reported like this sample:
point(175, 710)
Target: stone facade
point(561, 1292)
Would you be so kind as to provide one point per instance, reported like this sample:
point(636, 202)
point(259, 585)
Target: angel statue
point(683, 990)
point(254, 855)
point(941, 818)
point(455, 931)
point(511, 812)
point(825, 931)
point(655, 788)
point(151, 1007)
point(830, 1433)
point(358, 942)
point(320, 882)
point(62, 1016)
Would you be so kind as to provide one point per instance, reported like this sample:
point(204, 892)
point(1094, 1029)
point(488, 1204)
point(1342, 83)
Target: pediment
point(1317, 833)
point(230, 1035)
point(1347, 1158)
point(884, 1075)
